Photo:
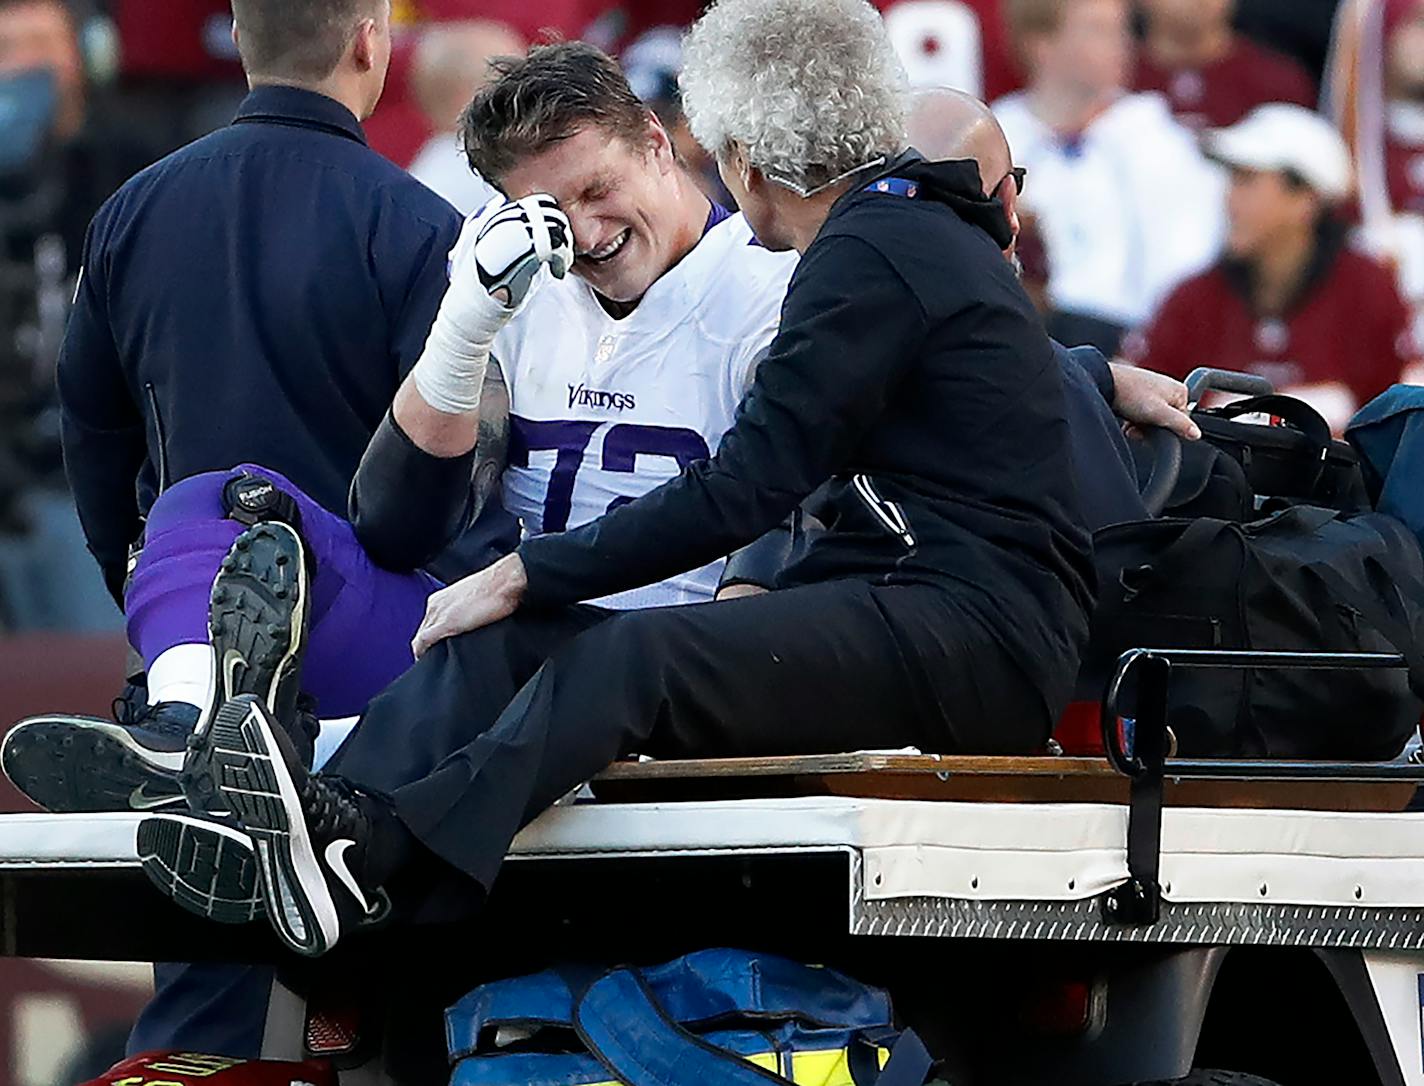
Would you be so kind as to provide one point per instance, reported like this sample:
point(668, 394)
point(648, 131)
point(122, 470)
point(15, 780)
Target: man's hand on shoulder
point(1145, 398)
point(481, 599)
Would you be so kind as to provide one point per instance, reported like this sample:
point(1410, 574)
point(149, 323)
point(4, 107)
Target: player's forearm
point(493, 267)
point(407, 504)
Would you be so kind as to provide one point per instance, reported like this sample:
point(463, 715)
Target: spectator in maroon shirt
point(1288, 299)
point(1211, 75)
point(1404, 107)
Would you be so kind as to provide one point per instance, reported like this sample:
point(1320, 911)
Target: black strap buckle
point(252, 499)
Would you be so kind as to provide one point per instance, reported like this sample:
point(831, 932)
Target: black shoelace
point(331, 807)
point(130, 713)
point(127, 711)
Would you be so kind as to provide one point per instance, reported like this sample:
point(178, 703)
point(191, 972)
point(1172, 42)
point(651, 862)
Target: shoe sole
point(257, 618)
point(257, 787)
point(85, 765)
point(208, 869)
point(257, 613)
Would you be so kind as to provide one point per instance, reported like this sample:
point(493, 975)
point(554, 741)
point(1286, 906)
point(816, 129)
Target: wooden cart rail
point(967, 778)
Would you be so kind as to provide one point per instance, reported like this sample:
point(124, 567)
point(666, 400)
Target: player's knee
point(198, 497)
point(254, 495)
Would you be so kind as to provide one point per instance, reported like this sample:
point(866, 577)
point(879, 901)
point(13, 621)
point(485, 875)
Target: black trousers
point(490, 728)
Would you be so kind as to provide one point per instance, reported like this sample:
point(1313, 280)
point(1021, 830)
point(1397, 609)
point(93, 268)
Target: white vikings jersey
point(603, 410)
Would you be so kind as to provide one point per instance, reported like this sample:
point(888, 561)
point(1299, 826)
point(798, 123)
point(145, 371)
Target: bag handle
point(1182, 552)
point(1192, 545)
point(623, 1025)
point(1294, 518)
point(1299, 414)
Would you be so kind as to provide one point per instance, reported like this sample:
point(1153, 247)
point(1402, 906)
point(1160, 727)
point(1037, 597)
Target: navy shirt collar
point(300, 109)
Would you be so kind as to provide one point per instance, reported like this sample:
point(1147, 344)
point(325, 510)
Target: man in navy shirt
point(257, 296)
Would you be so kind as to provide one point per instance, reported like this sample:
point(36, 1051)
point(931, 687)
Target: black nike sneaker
point(257, 625)
point(67, 763)
point(152, 757)
point(311, 832)
point(206, 865)
point(204, 861)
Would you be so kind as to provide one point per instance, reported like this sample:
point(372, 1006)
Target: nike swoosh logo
point(140, 799)
point(336, 860)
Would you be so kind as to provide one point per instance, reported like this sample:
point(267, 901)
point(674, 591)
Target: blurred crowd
point(1236, 183)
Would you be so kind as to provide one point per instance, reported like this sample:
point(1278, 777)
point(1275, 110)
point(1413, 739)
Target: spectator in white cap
point(1289, 299)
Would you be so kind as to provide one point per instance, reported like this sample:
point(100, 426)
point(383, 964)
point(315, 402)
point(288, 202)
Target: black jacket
point(912, 373)
point(256, 296)
point(1102, 458)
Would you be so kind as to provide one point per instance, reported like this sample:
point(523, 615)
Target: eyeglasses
point(1017, 173)
point(806, 193)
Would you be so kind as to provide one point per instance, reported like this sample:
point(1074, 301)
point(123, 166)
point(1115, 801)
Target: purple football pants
point(362, 617)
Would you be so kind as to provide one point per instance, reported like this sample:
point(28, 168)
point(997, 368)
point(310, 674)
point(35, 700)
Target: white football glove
point(492, 272)
point(513, 238)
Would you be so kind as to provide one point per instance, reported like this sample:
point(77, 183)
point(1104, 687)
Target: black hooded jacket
point(912, 373)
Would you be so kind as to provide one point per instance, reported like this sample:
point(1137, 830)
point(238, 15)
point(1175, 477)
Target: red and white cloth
point(194, 1069)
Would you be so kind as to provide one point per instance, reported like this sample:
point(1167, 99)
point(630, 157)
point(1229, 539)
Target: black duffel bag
point(1305, 579)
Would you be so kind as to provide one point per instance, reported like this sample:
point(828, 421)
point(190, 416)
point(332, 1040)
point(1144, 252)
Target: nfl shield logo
point(605, 349)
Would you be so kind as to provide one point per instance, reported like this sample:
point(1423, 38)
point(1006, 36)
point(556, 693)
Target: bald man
point(949, 124)
point(451, 63)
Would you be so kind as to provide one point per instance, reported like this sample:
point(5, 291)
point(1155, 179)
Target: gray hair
point(811, 89)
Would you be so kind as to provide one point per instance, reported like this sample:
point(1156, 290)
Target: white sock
point(182, 673)
point(333, 733)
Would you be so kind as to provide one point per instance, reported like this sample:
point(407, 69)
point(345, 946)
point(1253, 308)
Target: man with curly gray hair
point(766, 85)
point(910, 386)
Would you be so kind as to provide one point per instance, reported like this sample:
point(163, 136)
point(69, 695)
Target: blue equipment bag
point(717, 1016)
point(1388, 433)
